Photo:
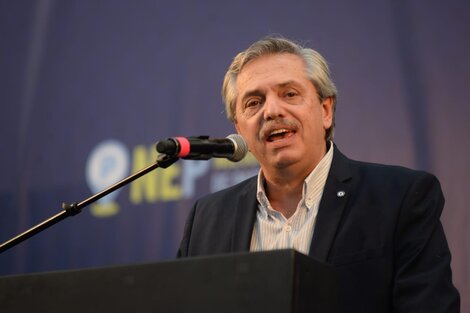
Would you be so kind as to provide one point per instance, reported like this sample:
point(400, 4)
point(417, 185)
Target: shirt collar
point(312, 187)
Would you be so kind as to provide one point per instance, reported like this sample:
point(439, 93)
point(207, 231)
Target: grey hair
point(316, 69)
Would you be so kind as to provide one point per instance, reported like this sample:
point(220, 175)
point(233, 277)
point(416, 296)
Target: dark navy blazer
point(378, 225)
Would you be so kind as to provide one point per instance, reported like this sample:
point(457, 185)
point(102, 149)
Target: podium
point(282, 281)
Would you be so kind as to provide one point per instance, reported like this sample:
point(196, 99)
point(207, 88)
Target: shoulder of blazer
point(343, 168)
point(222, 222)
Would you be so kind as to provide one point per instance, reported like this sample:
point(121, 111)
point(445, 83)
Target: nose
point(273, 108)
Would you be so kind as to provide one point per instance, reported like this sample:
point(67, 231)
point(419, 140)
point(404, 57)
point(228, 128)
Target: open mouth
point(279, 134)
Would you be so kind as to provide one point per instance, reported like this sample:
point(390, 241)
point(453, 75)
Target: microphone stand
point(163, 161)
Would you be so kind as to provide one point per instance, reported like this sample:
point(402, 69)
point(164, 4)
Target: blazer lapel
point(245, 216)
point(335, 196)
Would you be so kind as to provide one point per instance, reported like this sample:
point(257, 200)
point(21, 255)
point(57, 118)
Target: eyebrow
point(289, 82)
point(252, 93)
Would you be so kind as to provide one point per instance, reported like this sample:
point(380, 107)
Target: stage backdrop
point(88, 87)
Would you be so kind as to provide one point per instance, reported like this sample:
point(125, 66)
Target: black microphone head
point(168, 147)
point(241, 149)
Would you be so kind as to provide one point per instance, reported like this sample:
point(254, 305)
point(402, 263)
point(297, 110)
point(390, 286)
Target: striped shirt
point(273, 231)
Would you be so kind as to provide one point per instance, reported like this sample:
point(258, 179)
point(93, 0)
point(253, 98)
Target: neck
point(284, 185)
point(284, 190)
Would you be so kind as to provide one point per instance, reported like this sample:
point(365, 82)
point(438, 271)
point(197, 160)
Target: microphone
point(233, 147)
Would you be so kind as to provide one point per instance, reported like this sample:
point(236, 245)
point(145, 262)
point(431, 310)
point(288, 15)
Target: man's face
point(279, 113)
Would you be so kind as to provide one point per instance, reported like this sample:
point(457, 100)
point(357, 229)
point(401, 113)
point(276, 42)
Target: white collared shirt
point(273, 231)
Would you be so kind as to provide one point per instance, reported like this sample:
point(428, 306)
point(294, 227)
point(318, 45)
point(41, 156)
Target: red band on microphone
point(185, 147)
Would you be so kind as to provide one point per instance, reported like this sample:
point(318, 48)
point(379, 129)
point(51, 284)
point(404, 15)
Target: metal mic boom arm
point(163, 161)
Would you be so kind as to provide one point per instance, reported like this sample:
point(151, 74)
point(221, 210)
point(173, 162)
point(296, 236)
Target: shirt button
point(287, 228)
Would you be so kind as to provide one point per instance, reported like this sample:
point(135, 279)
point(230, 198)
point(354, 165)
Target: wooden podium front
point(282, 281)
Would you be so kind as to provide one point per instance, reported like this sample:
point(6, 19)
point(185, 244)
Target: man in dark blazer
point(377, 225)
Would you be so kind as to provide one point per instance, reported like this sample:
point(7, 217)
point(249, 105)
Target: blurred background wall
point(87, 87)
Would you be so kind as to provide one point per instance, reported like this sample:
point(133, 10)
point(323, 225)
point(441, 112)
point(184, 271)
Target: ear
point(327, 111)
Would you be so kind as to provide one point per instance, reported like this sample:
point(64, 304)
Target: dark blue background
point(76, 73)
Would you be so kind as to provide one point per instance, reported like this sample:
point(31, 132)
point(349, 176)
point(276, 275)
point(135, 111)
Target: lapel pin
point(340, 193)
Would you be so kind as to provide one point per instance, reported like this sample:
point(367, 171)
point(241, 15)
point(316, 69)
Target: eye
point(253, 103)
point(291, 94)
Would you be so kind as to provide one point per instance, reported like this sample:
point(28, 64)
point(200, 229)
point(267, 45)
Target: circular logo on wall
point(107, 164)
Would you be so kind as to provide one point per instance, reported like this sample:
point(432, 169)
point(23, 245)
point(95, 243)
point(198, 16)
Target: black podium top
point(281, 281)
